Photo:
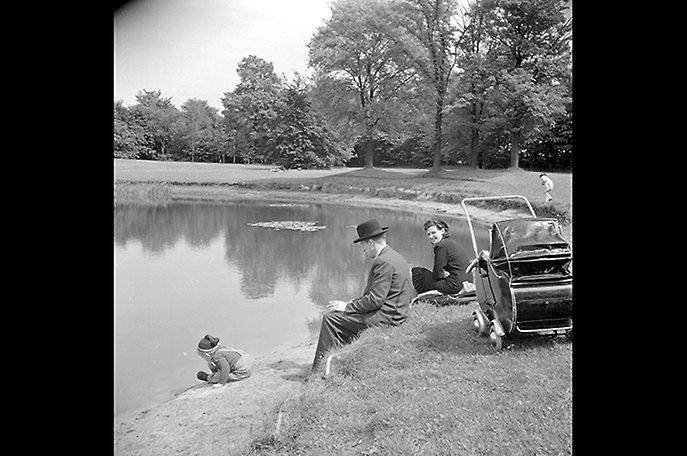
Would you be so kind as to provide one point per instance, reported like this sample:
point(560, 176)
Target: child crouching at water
point(227, 364)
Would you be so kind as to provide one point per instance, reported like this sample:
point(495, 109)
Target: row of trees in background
point(395, 82)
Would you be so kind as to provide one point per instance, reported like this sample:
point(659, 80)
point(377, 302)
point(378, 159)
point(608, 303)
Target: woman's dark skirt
point(423, 280)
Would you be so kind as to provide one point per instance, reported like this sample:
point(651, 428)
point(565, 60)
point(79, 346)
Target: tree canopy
point(486, 83)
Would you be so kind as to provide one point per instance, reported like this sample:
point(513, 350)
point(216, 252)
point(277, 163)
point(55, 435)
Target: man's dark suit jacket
point(386, 298)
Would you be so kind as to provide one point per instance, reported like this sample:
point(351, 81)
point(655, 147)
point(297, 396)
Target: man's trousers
point(340, 328)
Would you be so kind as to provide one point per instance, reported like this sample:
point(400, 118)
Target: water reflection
point(261, 261)
point(190, 268)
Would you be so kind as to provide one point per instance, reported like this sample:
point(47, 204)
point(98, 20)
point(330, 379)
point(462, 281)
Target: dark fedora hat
point(369, 229)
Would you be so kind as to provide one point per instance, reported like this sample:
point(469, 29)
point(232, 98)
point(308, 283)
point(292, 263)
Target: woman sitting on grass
point(450, 262)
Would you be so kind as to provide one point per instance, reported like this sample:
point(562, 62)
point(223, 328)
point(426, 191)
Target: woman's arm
point(440, 262)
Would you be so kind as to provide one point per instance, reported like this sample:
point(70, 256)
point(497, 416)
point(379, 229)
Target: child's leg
point(242, 369)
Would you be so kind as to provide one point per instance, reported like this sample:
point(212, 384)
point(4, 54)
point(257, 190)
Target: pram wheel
point(495, 339)
point(479, 323)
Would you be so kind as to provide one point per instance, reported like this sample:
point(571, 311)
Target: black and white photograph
point(343, 227)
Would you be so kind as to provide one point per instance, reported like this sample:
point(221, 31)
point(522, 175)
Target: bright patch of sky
point(191, 48)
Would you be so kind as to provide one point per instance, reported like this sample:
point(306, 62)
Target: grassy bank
point(431, 386)
point(142, 194)
point(447, 186)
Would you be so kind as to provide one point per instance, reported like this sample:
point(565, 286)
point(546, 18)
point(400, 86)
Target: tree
point(357, 60)
point(301, 138)
point(474, 81)
point(199, 122)
point(129, 139)
point(427, 36)
point(552, 148)
point(158, 115)
point(533, 57)
point(251, 108)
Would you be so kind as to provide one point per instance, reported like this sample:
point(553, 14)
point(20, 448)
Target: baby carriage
point(524, 280)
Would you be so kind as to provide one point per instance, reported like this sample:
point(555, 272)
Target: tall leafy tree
point(533, 56)
point(159, 115)
point(427, 34)
point(360, 64)
point(475, 81)
point(301, 138)
point(130, 137)
point(199, 126)
point(252, 107)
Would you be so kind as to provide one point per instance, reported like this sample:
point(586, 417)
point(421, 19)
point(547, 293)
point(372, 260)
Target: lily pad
point(290, 225)
point(288, 205)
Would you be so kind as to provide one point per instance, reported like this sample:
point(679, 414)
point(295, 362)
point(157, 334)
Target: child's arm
point(222, 374)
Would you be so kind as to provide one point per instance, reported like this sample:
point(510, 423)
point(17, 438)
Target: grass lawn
point(431, 386)
point(206, 173)
point(449, 185)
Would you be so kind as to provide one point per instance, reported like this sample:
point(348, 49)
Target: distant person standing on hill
point(548, 186)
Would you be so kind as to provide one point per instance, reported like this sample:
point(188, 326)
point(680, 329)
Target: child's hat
point(208, 342)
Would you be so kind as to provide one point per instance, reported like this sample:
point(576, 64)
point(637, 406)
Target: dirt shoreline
point(222, 420)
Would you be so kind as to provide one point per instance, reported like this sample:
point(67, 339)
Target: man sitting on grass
point(386, 298)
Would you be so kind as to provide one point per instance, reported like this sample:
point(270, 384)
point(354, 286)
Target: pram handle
point(472, 264)
point(482, 257)
point(484, 198)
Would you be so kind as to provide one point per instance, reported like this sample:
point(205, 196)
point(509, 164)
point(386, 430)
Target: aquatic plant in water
point(290, 225)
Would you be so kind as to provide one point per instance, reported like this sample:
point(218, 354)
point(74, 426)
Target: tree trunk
point(369, 129)
point(369, 153)
point(515, 150)
point(474, 151)
point(436, 164)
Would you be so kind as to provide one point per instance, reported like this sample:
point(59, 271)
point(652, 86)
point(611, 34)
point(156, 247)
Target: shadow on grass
point(452, 337)
point(375, 173)
point(292, 371)
point(458, 337)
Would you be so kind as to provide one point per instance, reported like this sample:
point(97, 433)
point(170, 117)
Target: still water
point(193, 268)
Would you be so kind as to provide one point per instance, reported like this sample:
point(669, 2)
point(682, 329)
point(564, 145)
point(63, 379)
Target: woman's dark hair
point(435, 222)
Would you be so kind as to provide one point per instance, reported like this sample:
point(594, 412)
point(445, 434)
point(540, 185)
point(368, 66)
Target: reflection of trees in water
point(161, 228)
point(263, 255)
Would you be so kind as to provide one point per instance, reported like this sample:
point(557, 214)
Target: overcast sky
point(191, 48)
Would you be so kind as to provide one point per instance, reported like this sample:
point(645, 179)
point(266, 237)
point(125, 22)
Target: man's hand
point(337, 305)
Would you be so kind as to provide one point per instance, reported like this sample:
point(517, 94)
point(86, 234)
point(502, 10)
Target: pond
point(229, 270)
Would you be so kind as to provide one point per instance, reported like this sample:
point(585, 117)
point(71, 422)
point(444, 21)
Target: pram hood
point(525, 238)
point(530, 246)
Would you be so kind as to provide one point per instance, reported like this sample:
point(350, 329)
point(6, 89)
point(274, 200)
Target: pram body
point(524, 281)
